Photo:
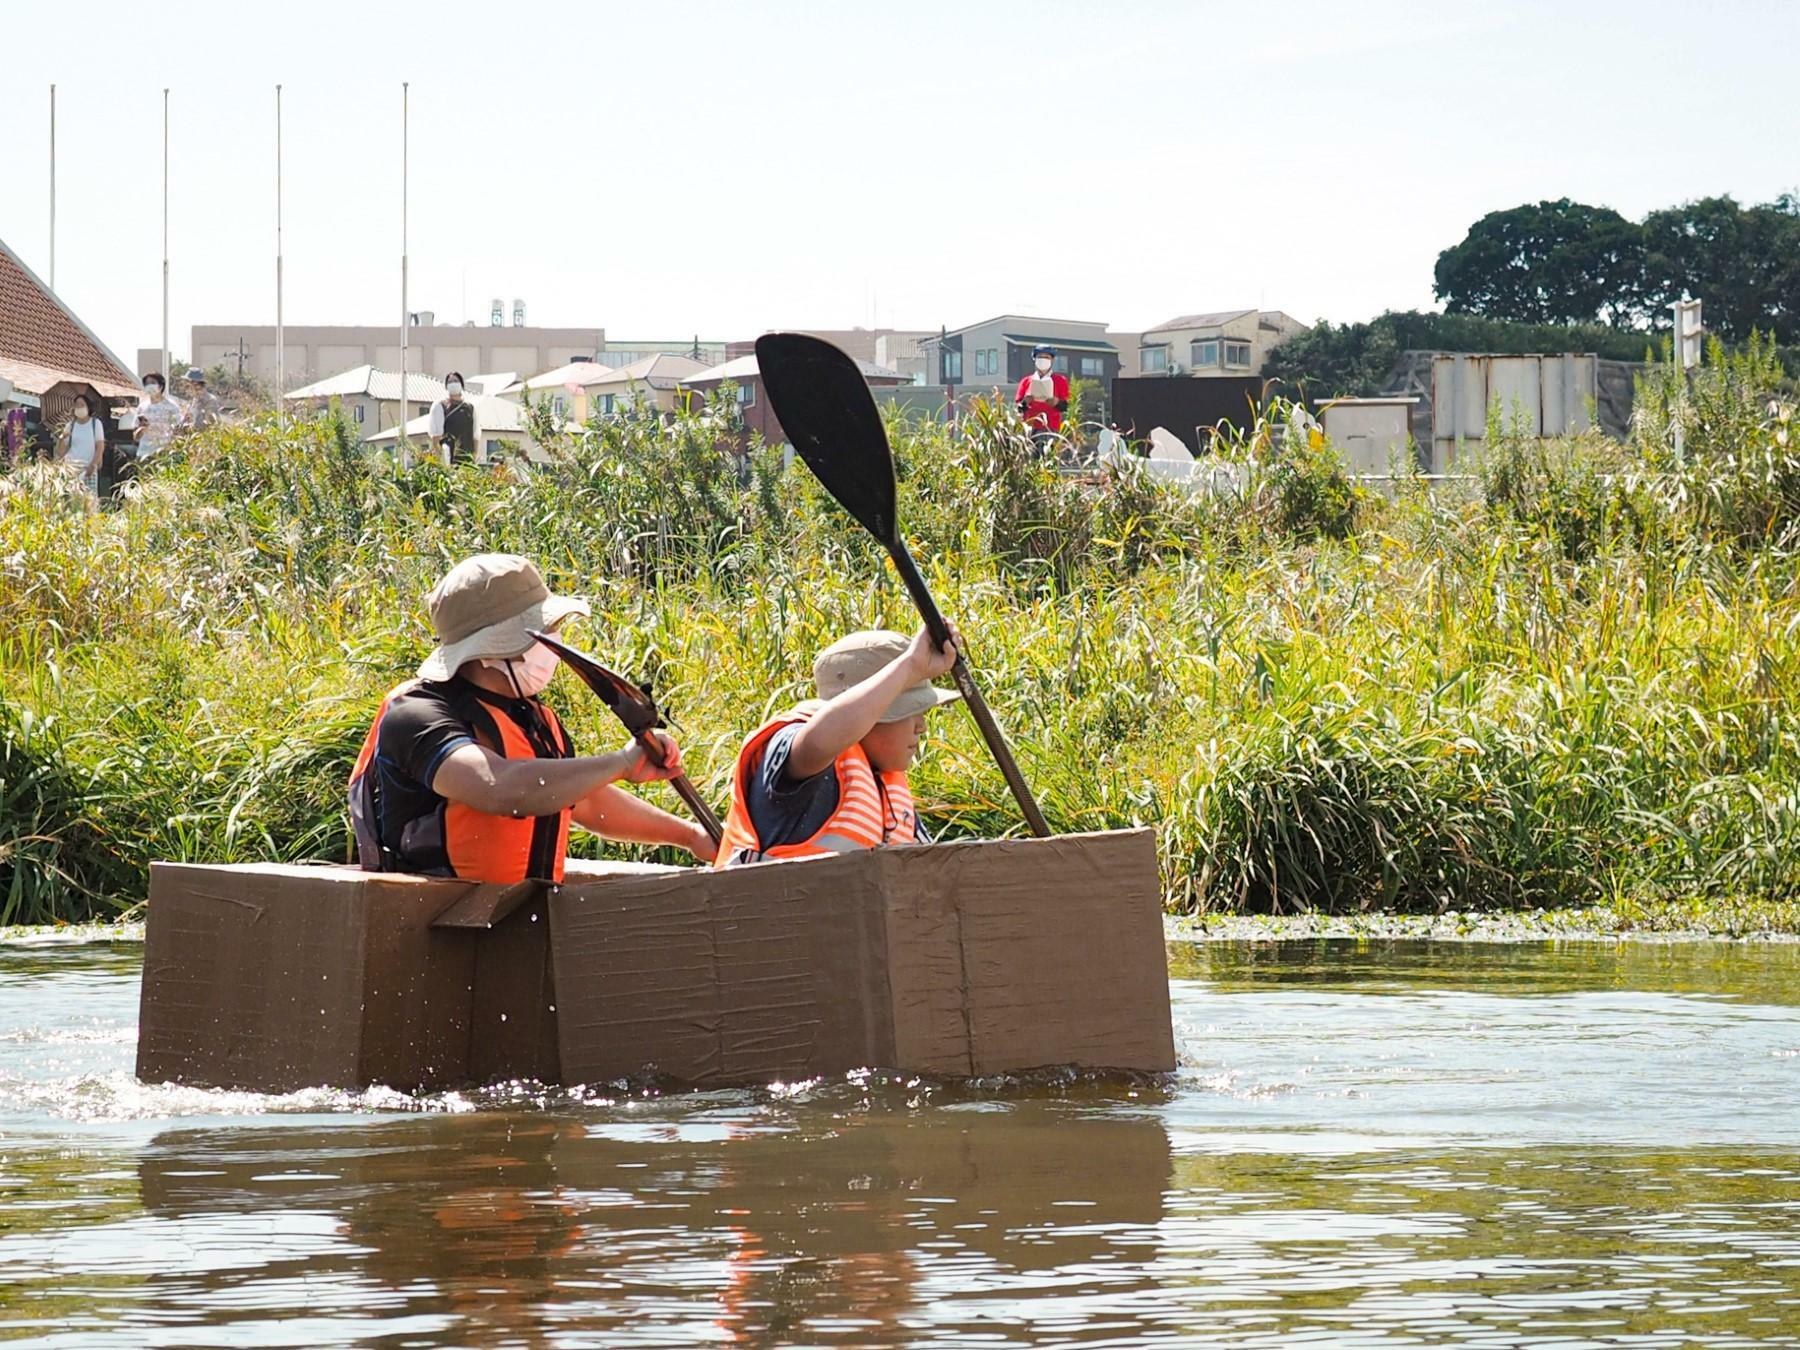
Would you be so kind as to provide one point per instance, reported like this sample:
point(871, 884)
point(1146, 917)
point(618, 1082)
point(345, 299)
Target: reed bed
point(1576, 689)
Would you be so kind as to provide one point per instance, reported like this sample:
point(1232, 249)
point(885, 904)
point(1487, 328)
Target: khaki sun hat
point(483, 607)
point(852, 659)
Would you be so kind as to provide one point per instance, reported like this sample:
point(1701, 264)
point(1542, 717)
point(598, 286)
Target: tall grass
point(1577, 689)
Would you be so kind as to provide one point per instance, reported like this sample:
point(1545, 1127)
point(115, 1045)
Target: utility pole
point(1686, 355)
point(165, 308)
point(52, 187)
point(405, 316)
point(280, 332)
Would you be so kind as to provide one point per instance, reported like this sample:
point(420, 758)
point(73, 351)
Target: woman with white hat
point(466, 772)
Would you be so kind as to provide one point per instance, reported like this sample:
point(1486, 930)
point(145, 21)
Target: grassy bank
point(1577, 691)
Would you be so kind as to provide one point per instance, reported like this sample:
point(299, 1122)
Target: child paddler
point(467, 773)
point(829, 775)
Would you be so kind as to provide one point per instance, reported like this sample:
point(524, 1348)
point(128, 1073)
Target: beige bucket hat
point(483, 608)
point(852, 659)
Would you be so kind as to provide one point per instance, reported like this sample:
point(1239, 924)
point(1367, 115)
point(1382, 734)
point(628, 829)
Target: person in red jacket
point(1043, 395)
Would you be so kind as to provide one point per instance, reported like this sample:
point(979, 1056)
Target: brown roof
point(30, 378)
point(38, 329)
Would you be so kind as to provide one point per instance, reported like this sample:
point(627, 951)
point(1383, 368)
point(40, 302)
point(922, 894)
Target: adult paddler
point(466, 772)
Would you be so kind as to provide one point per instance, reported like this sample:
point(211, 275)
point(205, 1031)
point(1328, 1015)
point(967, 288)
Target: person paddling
point(829, 775)
point(467, 773)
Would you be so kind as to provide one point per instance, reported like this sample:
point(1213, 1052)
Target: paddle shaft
point(683, 788)
point(965, 682)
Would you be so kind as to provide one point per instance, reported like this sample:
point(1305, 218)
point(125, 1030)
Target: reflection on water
point(1390, 1146)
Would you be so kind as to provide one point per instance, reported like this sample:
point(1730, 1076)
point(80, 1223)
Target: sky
point(665, 170)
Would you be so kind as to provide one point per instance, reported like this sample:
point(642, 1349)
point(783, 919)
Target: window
point(746, 395)
point(1237, 354)
point(1205, 352)
point(559, 405)
point(1060, 365)
point(950, 363)
point(1092, 367)
point(1153, 360)
point(359, 410)
point(607, 404)
point(994, 367)
point(981, 362)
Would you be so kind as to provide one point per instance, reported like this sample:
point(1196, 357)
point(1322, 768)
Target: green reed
point(1573, 691)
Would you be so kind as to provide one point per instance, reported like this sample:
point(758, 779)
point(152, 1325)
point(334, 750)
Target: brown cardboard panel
point(252, 977)
point(486, 904)
point(1062, 949)
point(744, 975)
point(416, 986)
point(511, 1026)
point(927, 996)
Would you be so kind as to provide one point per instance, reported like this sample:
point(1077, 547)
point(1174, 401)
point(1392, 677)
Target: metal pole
point(53, 187)
point(165, 312)
point(405, 317)
point(280, 332)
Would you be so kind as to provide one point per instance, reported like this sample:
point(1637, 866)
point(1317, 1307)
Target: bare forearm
point(846, 719)
point(614, 813)
point(524, 787)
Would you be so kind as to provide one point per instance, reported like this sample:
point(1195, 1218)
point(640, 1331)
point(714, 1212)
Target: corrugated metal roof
point(576, 372)
point(38, 329)
point(1216, 319)
point(377, 384)
point(660, 370)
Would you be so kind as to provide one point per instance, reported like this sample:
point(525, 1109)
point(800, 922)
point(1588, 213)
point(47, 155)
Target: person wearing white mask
point(466, 772)
point(81, 444)
point(1043, 395)
point(455, 431)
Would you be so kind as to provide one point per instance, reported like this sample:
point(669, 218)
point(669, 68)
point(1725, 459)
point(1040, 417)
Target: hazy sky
point(666, 169)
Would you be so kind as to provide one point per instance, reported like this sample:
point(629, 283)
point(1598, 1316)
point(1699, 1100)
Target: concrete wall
point(315, 351)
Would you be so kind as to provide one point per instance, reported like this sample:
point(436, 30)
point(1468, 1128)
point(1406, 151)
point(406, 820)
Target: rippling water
point(1368, 1145)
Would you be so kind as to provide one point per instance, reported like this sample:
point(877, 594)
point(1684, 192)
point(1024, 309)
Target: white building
point(371, 398)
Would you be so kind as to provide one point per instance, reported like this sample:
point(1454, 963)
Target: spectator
point(203, 404)
point(80, 446)
point(454, 430)
point(159, 417)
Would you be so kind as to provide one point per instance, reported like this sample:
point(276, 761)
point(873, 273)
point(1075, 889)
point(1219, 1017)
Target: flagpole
point(52, 187)
point(165, 312)
point(405, 317)
point(280, 333)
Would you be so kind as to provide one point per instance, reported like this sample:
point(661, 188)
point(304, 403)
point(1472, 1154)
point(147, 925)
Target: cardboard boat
point(960, 959)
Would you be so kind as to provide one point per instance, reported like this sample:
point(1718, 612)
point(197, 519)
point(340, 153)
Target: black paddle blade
point(824, 405)
point(627, 701)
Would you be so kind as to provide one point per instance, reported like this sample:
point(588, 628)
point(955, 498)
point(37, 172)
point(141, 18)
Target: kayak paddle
point(637, 710)
point(823, 404)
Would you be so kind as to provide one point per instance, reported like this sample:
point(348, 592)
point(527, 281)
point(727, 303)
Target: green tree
point(1743, 262)
point(1553, 262)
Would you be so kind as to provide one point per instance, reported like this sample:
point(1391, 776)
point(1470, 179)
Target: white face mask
point(1043, 364)
point(532, 672)
point(453, 388)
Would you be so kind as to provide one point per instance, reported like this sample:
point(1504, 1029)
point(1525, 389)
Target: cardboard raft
point(950, 960)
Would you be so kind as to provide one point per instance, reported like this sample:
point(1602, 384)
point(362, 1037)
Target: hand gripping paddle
point(637, 710)
point(823, 404)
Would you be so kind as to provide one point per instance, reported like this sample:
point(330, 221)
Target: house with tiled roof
point(47, 354)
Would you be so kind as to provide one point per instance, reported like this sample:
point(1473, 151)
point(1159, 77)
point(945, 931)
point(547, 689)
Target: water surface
point(1368, 1144)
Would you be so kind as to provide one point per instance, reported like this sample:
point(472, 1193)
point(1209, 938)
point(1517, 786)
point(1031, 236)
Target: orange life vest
point(872, 809)
point(454, 839)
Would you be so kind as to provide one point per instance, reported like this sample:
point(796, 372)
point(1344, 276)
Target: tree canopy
point(1567, 262)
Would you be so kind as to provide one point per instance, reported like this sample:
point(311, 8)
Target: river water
point(1403, 1144)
